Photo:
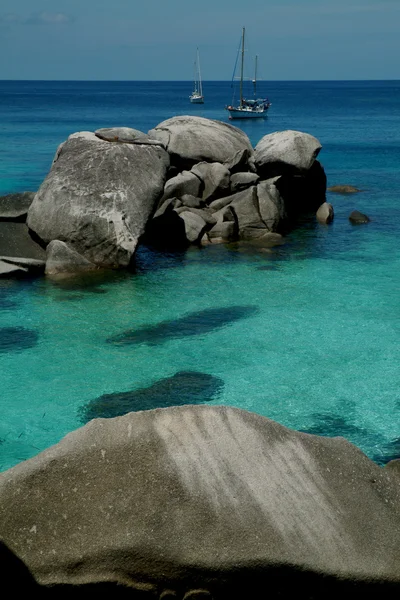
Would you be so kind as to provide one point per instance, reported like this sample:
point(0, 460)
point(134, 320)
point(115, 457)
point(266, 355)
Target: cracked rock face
point(205, 498)
point(98, 196)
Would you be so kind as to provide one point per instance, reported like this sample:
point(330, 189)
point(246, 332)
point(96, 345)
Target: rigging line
point(236, 61)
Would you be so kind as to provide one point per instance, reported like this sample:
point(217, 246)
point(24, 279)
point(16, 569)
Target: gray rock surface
point(11, 269)
point(14, 207)
point(343, 189)
point(241, 181)
point(120, 134)
point(271, 204)
point(285, 152)
point(62, 259)
point(182, 184)
point(325, 213)
point(195, 226)
point(204, 497)
point(15, 241)
point(100, 210)
point(215, 177)
point(194, 139)
point(32, 266)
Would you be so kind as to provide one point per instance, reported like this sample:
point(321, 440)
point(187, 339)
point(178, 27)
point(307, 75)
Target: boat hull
point(197, 99)
point(237, 113)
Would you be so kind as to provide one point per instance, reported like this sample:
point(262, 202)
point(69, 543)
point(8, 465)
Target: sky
point(157, 39)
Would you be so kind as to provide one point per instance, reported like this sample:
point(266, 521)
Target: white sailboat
point(197, 95)
point(248, 108)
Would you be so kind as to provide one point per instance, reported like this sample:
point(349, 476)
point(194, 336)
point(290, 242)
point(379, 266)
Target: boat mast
point(241, 71)
point(199, 74)
point(255, 78)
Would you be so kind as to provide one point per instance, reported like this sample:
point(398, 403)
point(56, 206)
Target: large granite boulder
point(98, 196)
point(204, 498)
point(190, 140)
point(284, 152)
point(14, 207)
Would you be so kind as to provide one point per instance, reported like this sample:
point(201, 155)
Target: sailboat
point(252, 108)
point(197, 94)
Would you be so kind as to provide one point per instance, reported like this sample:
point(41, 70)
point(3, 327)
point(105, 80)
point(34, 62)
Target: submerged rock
point(343, 189)
point(14, 339)
point(204, 498)
point(185, 387)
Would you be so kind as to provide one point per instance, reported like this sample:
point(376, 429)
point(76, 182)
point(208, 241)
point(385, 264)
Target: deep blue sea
point(306, 334)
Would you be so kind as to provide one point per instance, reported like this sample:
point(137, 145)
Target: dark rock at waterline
point(343, 189)
point(14, 207)
point(16, 241)
point(389, 451)
point(205, 498)
point(13, 339)
point(185, 387)
point(358, 218)
point(15, 575)
point(195, 323)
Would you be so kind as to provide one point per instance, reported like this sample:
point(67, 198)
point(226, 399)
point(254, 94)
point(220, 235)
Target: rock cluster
point(190, 180)
point(172, 502)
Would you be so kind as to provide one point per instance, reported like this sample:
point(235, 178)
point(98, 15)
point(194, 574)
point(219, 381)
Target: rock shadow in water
point(195, 323)
point(185, 387)
point(13, 339)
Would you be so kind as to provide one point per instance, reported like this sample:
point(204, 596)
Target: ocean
point(306, 334)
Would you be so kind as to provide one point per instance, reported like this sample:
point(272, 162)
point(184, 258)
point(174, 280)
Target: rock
point(120, 134)
point(285, 152)
point(182, 184)
point(11, 270)
point(63, 259)
point(343, 189)
point(271, 205)
point(167, 205)
point(205, 498)
point(241, 181)
point(195, 226)
point(16, 242)
point(14, 207)
point(246, 208)
point(215, 177)
point(358, 218)
point(205, 214)
point(192, 201)
point(100, 210)
point(31, 266)
point(226, 231)
point(325, 213)
point(303, 193)
point(190, 140)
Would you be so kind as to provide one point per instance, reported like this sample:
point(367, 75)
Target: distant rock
point(205, 498)
point(358, 218)
point(101, 210)
point(14, 207)
point(190, 140)
point(343, 189)
point(325, 213)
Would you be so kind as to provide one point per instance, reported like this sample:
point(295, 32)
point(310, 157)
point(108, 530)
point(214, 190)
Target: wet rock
point(343, 189)
point(325, 213)
point(358, 218)
point(63, 259)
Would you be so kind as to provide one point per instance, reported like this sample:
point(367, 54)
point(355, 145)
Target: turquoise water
point(306, 334)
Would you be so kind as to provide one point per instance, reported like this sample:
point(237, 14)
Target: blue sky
point(157, 39)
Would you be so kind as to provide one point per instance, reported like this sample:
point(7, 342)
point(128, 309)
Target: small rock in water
point(343, 189)
point(357, 218)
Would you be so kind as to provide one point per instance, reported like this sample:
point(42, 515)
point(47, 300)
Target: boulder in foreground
point(204, 497)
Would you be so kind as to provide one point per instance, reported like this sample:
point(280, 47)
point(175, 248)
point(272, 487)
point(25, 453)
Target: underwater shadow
point(195, 323)
point(185, 387)
point(14, 339)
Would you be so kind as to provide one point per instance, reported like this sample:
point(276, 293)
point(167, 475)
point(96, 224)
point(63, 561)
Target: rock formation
point(205, 498)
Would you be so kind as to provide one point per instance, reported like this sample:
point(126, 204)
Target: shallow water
point(306, 334)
